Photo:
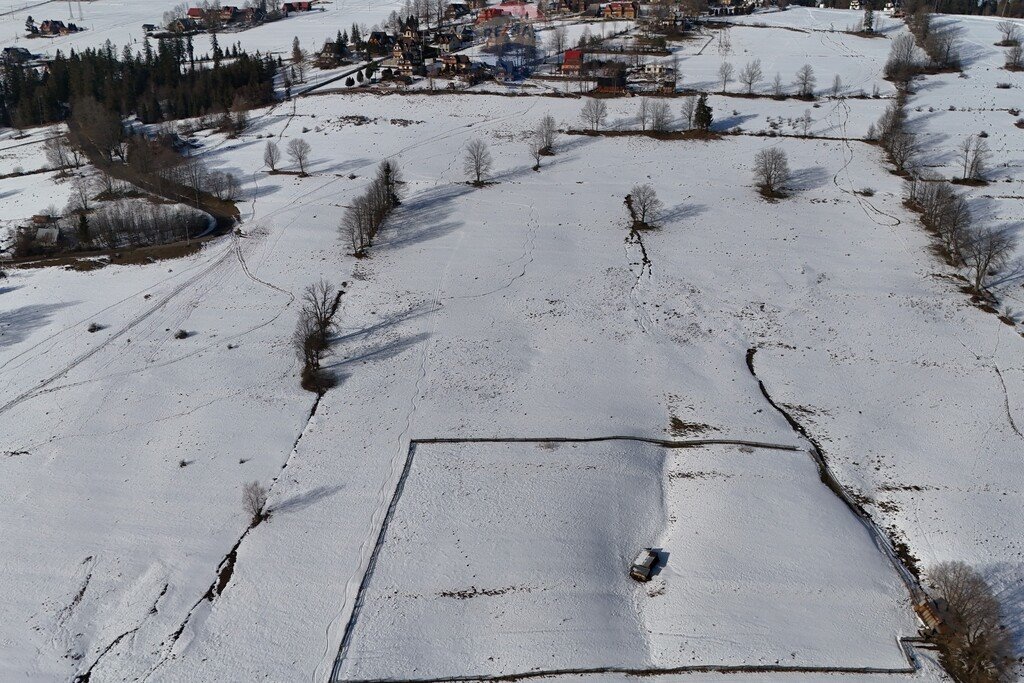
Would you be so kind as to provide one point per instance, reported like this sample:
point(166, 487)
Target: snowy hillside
point(527, 393)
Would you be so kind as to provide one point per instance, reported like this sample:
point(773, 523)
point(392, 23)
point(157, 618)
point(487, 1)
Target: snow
point(518, 310)
point(441, 600)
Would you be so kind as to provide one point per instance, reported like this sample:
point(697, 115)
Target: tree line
point(162, 84)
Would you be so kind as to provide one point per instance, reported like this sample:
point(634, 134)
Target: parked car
point(642, 566)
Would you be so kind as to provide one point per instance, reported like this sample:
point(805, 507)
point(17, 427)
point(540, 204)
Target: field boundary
point(905, 643)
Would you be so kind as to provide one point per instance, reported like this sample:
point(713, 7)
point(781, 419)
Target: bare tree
point(58, 152)
point(777, 88)
point(298, 152)
point(312, 332)
point(805, 81)
point(903, 147)
point(535, 151)
point(974, 156)
point(594, 113)
point(902, 64)
point(725, 72)
point(644, 112)
point(81, 194)
point(837, 86)
point(254, 501)
point(661, 116)
point(976, 647)
point(1015, 58)
point(943, 211)
point(806, 121)
point(941, 47)
point(271, 155)
point(477, 162)
point(355, 225)
point(987, 250)
point(644, 206)
point(687, 109)
point(320, 299)
point(558, 40)
point(751, 75)
point(547, 133)
point(1010, 32)
point(771, 171)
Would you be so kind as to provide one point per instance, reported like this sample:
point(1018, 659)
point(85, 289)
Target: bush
point(181, 334)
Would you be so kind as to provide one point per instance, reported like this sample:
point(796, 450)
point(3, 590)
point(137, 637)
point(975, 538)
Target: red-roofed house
point(488, 13)
point(621, 10)
point(572, 62)
point(521, 10)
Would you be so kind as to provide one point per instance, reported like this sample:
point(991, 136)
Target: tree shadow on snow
point(424, 217)
point(722, 125)
point(16, 325)
point(1007, 580)
point(375, 352)
point(682, 212)
point(301, 501)
point(810, 178)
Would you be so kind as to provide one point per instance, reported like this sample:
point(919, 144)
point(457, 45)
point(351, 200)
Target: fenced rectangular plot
point(506, 558)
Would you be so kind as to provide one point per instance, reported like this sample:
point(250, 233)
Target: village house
point(196, 13)
point(447, 42)
point(406, 60)
point(488, 14)
point(572, 62)
point(453, 65)
point(456, 10)
point(289, 7)
point(184, 25)
point(526, 11)
point(16, 55)
point(656, 70)
point(620, 10)
point(53, 27)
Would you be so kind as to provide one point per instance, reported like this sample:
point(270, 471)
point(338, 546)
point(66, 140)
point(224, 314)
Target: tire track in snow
point(397, 467)
point(161, 303)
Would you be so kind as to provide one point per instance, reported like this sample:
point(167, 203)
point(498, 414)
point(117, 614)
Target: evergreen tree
point(702, 114)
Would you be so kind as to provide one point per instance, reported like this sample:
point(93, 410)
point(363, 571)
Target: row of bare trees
point(895, 137)
point(313, 330)
point(940, 44)
point(654, 114)
point(947, 214)
point(364, 217)
point(298, 151)
point(752, 74)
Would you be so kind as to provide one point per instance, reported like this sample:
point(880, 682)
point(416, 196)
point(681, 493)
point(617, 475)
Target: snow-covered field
point(509, 558)
point(512, 311)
